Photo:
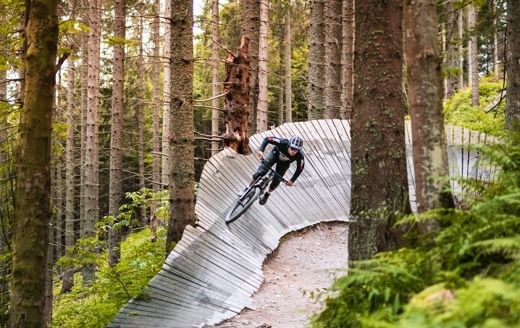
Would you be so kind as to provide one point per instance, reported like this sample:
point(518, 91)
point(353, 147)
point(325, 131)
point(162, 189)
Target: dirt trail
point(304, 265)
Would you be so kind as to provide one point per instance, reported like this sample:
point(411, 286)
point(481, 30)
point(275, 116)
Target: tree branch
point(62, 59)
point(208, 99)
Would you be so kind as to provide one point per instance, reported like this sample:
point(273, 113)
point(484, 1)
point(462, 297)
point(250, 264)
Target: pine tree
point(513, 65)
point(182, 212)
point(425, 105)
point(116, 140)
point(30, 244)
point(379, 178)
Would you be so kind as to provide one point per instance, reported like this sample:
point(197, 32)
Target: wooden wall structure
point(214, 270)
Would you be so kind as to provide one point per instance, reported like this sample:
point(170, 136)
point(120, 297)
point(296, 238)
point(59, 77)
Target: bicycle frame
point(263, 181)
point(250, 195)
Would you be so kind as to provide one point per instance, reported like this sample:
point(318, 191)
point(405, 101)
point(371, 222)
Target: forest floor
point(297, 276)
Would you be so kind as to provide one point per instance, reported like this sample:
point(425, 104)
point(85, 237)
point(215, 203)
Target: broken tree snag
point(236, 102)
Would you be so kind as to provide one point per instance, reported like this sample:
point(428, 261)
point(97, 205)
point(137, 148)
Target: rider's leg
point(281, 168)
point(266, 164)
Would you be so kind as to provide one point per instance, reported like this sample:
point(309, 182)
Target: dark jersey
point(281, 150)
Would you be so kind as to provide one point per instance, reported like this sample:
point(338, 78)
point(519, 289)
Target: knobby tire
point(242, 204)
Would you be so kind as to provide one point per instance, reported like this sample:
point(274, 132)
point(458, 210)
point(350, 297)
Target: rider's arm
point(269, 140)
point(300, 163)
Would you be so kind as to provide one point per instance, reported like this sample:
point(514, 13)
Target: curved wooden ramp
point(213, 271)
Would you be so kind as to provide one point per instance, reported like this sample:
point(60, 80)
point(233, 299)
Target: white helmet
point(296, 142)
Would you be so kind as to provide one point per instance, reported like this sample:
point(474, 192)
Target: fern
point(464, 274)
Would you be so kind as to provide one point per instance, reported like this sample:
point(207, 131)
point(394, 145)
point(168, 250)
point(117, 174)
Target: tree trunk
point(288, 61)
point(333, 36)
point(316, 83)
point(347, 58)
point(425, 105)
point(116, 140)
point(139, 116)
point(473, 60)
point(166, 126)
point(236, 102)
point(263, 101)
point(59, 208)
point(251, 30)
point(31, 239)
point(83, 119)
point(92, 131)
point(182, 211)
point(496, 60)
point(156, 72)
point(215, 58)
point(460, 50)
point(156, 116)
point(70, 167)
point(444, 43)
point(379, 179)
point(513, 66)
point(451, 55)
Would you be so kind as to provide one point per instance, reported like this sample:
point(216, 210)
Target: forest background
point(112, 132)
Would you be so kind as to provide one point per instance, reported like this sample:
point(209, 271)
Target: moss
point(458, 110)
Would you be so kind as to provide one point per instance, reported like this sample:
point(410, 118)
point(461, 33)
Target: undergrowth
point(464, 274)
point(486, 117)
point(97, 305)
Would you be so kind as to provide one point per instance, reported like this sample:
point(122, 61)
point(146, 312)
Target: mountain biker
point(284, 152)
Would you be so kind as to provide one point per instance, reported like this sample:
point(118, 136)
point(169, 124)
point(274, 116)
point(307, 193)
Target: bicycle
point(250, 195)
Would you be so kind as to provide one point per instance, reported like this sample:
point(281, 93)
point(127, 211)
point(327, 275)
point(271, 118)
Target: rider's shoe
point(264, 198)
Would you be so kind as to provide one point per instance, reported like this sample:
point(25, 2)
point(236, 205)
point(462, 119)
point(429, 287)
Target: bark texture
point(92, 123)
point(166, 126)
point(316, 82)
point(92, 131)
point(116, 139)
point(215, 57)
point(236, 102)
point(33, 188)
point(287, 65)
point(83, 120)
point(347, 58)
point(513, 65)
point(156, 109)
point(70, 168)
point(425, 105)
point(182, 212)
point(156, 115)
point(251, 30)
point(139, 117)
point(452, 50)
point(379, 179)
point(263, 101)
point(472, 56)
point(460, 50)
point(333, 36)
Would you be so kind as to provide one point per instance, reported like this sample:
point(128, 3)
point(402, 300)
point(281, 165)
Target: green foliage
point(458, 110)
point(466, 273)
point(141, 259)
point(96, 306)
point(484, 302)
point(84, 252)
point(376, 288)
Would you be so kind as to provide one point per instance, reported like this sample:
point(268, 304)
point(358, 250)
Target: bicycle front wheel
point(242, 204)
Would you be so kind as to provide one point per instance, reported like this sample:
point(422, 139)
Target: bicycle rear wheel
point(242, 204)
